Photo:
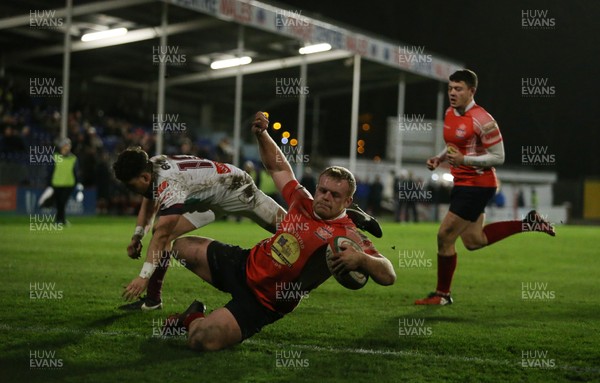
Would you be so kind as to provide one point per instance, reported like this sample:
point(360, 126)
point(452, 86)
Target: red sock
point(446, 267)
point(190, 318)
point(499, 230)
point(156, 280)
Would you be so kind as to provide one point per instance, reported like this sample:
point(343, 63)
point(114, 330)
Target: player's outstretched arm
point(272, 157)
point(159, 242)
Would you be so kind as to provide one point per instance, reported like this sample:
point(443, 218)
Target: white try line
point(307, 347)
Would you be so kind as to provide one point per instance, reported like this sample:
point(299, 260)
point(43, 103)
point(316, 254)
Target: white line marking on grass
point(61, 330)
point(361, 351)
point(383, 352)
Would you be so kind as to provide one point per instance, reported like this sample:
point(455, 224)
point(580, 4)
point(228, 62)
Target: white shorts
point(238, 196)
point(200, 218)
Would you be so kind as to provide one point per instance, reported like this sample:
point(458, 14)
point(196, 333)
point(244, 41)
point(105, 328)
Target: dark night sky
point(488, 37)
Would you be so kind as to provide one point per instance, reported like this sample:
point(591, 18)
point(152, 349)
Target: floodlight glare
point(228, 63)
point(104, 34)
point(447, 177)
point(323, 47)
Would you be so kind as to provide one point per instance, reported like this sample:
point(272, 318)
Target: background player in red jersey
point(292, 261)
point(473, 146)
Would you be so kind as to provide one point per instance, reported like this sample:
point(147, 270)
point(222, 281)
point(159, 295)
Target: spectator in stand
point(375, 196)
point(361, 196)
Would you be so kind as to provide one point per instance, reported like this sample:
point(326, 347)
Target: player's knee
point(196, 339)
point(444, 236)
point(202, 338)
point(471, 246)
point(472, 243)
point(180, 244)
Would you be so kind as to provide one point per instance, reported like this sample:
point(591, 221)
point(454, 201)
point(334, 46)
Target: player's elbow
point(388, 278)
point(500, 159)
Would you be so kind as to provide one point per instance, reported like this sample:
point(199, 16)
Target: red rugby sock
point(190, 318)
point(499, 230)
point(446, 267)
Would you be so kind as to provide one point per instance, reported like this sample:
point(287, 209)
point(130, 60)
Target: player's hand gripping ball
point(352, 280)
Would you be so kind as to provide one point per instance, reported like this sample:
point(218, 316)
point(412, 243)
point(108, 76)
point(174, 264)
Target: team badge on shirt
point(461, 131)
point(323, 233)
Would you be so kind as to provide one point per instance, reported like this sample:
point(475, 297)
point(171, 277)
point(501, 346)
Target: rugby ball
point(352, 280)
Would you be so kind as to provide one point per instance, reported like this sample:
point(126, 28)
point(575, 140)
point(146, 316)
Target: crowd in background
point(27, 124)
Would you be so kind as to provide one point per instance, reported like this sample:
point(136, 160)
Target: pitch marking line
point(361, 351)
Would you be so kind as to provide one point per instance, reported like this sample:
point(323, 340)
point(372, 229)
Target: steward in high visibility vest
point(63, 177)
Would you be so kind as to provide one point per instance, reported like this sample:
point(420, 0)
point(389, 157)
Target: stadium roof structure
point(170, 44)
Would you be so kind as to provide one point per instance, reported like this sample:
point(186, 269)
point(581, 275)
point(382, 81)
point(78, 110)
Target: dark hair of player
point(466, 75)
point(131, 163)
point(340, 173)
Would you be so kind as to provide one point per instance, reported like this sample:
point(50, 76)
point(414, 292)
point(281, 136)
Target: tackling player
point(292, 261)
point(473, 146)
point(185, 192)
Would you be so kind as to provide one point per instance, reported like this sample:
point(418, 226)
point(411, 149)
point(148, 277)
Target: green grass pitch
point(526, 309)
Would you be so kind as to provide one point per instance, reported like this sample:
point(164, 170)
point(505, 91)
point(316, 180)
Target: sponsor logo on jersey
point(222, 168)
point(161, 188)
point(285, 249)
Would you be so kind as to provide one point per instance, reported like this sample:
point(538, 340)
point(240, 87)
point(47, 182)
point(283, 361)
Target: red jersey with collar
point(281, 270)
point(470, 135)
